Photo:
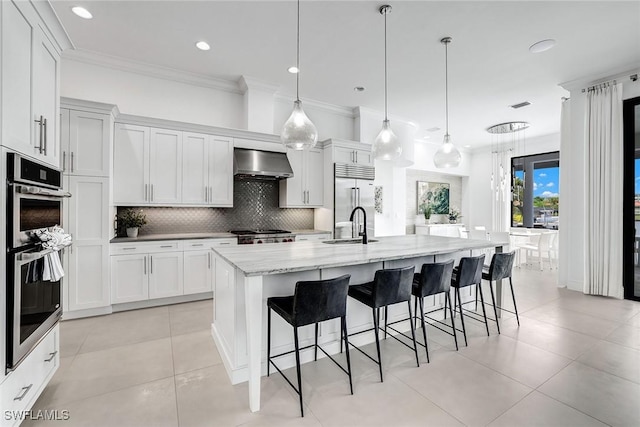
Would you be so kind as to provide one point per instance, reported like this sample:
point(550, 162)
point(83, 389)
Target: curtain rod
point(632, 77)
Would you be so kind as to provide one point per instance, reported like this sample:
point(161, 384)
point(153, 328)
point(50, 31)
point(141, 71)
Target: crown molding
point(620, 74)
point(92, 106)
point(246, 83)
point(52, 23)
point(319, 105)
point(123, 64)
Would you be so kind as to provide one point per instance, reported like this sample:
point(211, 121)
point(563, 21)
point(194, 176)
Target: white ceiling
point(490, 67)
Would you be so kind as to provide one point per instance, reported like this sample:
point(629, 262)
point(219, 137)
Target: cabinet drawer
point(197, 244)
point(145, 247)
point(309, 237)
point(224, 242)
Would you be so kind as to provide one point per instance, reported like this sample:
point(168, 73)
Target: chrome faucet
point(364, 232)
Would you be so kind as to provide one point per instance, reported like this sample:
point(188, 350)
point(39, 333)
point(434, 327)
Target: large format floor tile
point(194, 351)
point(627, 335)
point(614, 359)
point(186, 321)
point(603, 396)
point(576, 321)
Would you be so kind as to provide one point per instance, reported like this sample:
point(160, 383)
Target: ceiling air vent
point(520, 105)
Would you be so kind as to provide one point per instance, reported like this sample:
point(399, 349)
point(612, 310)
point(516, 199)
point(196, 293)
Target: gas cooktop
point(254, 232)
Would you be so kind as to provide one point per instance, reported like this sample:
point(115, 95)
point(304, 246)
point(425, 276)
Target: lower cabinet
point(150, 270)
point(310, 237)
point(22, 387)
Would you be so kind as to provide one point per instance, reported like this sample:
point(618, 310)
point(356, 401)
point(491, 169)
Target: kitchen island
point(246, 275)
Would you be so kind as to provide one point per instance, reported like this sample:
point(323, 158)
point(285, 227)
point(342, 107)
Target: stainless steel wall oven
point(34, 201)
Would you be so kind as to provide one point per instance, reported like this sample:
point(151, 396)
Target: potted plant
point(454, 214)
point(132, 220)
point(427, 214)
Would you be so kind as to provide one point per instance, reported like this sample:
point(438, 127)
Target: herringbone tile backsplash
point(255, 205)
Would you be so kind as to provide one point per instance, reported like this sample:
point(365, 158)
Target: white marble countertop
point(176, 236)
point(258, 260)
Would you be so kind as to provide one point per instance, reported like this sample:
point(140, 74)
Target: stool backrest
point(319, 300)
point(392, 285)
point(435, 278)
point(501, 265)
point(469, 271)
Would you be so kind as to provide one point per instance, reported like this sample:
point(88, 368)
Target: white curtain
point(566, 209)
point(603, 210)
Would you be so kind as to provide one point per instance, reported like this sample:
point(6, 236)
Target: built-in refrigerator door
point(345, 197)
point(365, 198)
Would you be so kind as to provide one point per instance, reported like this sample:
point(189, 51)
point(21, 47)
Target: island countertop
point(259, 260)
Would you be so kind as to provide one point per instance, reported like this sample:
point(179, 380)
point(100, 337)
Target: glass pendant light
point(447, 155)
point(386, 145)
point(298, 132)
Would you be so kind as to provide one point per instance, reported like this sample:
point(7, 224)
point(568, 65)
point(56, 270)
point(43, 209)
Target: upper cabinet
point(350, 152)
point(305, 189)
point(163, 167)
point(30, 81)
point(85, 142)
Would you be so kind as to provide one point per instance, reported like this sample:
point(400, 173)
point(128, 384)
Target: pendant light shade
point(386, 146)
point(298, 132)
point(447, 155)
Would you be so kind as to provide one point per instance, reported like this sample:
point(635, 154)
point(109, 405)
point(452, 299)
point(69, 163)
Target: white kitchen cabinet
point(165, 166)
point(130, 165)
point(198, 271)
point(86, 219)
point(30, 81)
point(207, 176)
point(306, 188)
point(312, 237)
point(85, 142)
point(165, 275)
point(129, 278)
point(447, 230)
point(346, 154)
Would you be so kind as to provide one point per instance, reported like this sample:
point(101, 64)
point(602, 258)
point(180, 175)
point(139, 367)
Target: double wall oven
point(34, 201)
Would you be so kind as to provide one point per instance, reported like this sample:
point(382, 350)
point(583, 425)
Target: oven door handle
point(32, 256)
point(24, 189)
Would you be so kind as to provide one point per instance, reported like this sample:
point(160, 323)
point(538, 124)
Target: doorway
point(631, 210)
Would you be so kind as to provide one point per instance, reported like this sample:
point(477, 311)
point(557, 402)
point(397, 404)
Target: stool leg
point(268, 339)
point(376, 324)
point(495, 309)
point(484, 311)
point(464, 330)
point(341, 337)
point(386, 316)
point(447, 297)
point(343, 321)
point(476, 309)
point(415, 310)
point(413, 334)
point(295, 338)
point(315, 348)
point(424, 329)
point(514, 301)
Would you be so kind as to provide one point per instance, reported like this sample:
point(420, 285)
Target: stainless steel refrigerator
point(353, 186)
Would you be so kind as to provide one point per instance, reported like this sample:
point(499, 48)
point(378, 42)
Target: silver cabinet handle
point(72, 161)
point(225, 243)
point(64, 161)
point(210, 194)
point(195, 245)
point(146, 186)
point(151, 198)
point(356, 156)
point(40, 122)
point(151, 264)
point(44, 125)
point(128, 249)
point(206, 194)
point(166, 246)
point(209, 258)
point(23, 393)
point(51, 356)
point(351, 156)
point(145, 265)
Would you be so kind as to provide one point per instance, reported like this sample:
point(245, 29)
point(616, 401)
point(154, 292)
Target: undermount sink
point(347, 241)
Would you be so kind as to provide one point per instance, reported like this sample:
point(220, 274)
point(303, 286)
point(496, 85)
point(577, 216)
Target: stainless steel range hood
point(256, 164)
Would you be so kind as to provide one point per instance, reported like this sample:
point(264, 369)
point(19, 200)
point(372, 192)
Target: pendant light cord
point(385, 67)
point(446, 84)
point(298, 57)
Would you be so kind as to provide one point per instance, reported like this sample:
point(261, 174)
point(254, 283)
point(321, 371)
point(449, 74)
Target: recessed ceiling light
point(293, 70)
point(203, 45)
point(467, 146)
point(82, 12)
point(359, 88)
point(542, 45)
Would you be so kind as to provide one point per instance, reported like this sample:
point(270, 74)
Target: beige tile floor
point(574, 361)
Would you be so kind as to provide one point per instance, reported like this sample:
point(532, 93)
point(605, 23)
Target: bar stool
point(468, 272)
point(500, 268)
point(313, 302)
point(389, 286)
point(434, 279)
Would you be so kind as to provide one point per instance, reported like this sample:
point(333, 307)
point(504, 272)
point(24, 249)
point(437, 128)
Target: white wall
point(144, 95)
point(331, 123)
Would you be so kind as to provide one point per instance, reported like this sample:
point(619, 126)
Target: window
point(535, 191)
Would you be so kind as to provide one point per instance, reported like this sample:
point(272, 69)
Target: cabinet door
point(221, 171)
point(129, 278)
point(87, 278)
point(64, 138)
point(197, 271)
point(195, 168)
point(314, 174)
point(45, 99)
point(364, 157)
point(344, 155)
point(130, 165)
point(165, 166)
point(165, 274)
point(292, 190)
point(17, 42)
point(88, 151)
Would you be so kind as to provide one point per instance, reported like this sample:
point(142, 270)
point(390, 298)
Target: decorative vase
point(453, 221)
point(132, 232)
point(438, 219)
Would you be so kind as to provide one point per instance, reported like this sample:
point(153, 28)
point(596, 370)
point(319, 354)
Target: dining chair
point(542, 246)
